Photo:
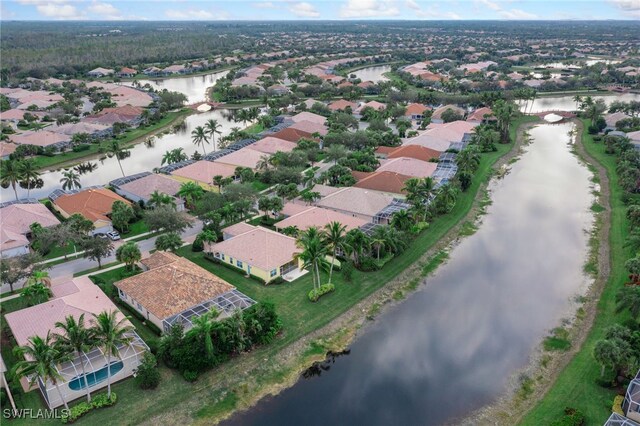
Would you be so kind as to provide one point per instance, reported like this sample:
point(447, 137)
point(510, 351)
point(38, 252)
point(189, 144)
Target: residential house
point(436, 117)
point(93, 203)
point(126, 72)
point(271, 145)
point(203, 171)
point(415, 111)
point(245, 157)
point(357, 202)
point(481, 116)
point(139, 187)
point(173, 290)
point(309, 116)
point(319, 217)
point(310, 127)
point(411, 151)
point(6, 149)
point(259, 252)
point(236, 229)
point(291, 135)
point(100, 72)
point(15, 220)
point(385, 181)
point(342, 105)
point(75, 297)
point(613, 118)
point(43, 138)
point(408, 166)
point(378, 106)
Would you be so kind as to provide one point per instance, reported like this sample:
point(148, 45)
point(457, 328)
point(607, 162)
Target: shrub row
point(97, 401)
point(316, 293)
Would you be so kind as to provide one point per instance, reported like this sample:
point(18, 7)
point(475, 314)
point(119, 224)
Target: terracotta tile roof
point(291, 135)
point(10, 239)
point(408, 166)
point(413, 151)
point(384, 181)
point(75, 297)
point(415, 109)
point(172, 285)
point(478, 115)
point(18, 217)
point(245, 157)
point(341, 104)
point(12, 114)
point(290, 209)
point(438, 112)
point(93, 203)
point(271, 145)
point(7, 148)
point(317, 216)
point(204, 171)
point(146, 185)
point(378, 106)
point(237, 229)
point(259, 247)
point(309, 116)
point(310, 127)
point(39, 138)
point(357, 201)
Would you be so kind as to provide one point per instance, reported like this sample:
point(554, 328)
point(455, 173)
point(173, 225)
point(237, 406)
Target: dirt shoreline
point(512, 408)
point(344, 329)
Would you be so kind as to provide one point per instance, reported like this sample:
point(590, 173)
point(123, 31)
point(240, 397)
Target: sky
point(180, 10)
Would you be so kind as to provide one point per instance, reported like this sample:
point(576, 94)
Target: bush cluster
point(97, 401)
point(316, 293)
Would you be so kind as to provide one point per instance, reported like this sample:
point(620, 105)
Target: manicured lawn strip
point(577, 384)
point(129, 137)
point(299, 317)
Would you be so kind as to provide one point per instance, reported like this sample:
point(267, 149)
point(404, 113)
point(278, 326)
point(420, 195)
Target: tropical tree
point(29, 173)
point(199, 137)
point(419, 191)
point(11, 174)
point(213, 128)
point(445, 199)
point(174, 156)
point(111, 333)
point(70, 180)
point(358, 242)
point(160, 199)
point(114, 149)
point(78, 339)
point(41, 357)
point(335, 152)
point(167, 219)
point(96, 249)
point(629, 298)
point(503, 112)
point(129, 254)
point(401, 220)
point(190, 192)
point(121, 215)
point(313, 254)
point(169, 242)
point(36, 293)
point(607, 354)
point(335, 239)
point(203, 326)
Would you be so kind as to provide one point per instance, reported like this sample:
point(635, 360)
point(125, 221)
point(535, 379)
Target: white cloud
point(104, 10)
point(517, 14)
point(58, 9)
point(264, 5)
point(412, 4)
point(195, 15)
point(490, 4)
point(304, 10)
point(628, 7)
point(369, 9)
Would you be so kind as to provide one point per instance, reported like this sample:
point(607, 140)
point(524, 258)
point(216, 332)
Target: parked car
point(113, 235)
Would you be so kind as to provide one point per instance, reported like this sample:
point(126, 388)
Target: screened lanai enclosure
point(73, 384)
point(226, 304)
point(617, 420)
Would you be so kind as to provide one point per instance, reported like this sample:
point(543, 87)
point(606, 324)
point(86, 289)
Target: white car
point(113, 235)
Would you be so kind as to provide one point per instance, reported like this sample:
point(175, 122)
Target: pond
point(455, 344)
point(566, 103)
point(144, 157)
point(374, 74)
point(194, 87)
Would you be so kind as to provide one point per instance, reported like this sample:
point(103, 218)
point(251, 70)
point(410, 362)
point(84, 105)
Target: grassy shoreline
point(310, 329)
point(576, 386)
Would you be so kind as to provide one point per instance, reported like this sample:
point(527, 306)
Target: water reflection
point(374, 74)
point(451, 347)
point(566, 103)
point(194, 87)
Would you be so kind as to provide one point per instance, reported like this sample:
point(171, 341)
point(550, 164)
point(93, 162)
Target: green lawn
point(135, 228)
point(129, 137)
point(215, 391)
point(577, 384)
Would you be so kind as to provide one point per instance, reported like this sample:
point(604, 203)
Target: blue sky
point(317, 9)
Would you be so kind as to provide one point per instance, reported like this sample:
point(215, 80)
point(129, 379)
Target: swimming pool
point(93, 378)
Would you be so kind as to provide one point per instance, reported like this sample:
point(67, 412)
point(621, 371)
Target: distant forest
point(41, 49)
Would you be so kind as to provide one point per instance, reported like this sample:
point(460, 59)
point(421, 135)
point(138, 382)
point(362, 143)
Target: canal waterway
point(455, 344)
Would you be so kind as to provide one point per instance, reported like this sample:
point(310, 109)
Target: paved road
point(66, 270)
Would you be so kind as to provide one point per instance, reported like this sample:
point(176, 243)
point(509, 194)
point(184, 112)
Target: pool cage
point(384, 215)
point(212, 156)
point(444, 172)
point(631, 403)
point(21, 201)
point(72, 384)
point(617, 420)
point(117, 183)
point(175, 166)
point(226, 304)
point(242, 143)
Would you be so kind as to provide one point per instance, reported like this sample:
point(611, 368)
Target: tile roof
point(319, 217)
point(271, 145)
point(93, 203)
point(383, 181)
point(415, 109)
point(237, 229)
point(357, 201)
point(75, 297)
point(478, 115)
point(309, 116)
point(341, 104)
point(310, 127)
point(204, 171)
point(245, 157)
point(291, 135)
point(259, 247)
point(413, 151)
point(146, 185)
point(39, 138)
point(171, 285)
point(438, 112)
point(408, 166)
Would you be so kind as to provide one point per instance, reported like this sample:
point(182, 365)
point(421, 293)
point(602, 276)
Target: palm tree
point(78, 339)
point(578, 100)
point(39, 277)
point(11, 174)
point(41, 359)
point(357, 242)
point(335, 239)
point(378, 239)
point(160, 199)
point(629, 298)
point(468, 159)
point(213, 127)
point(313, 252)
point(190, 192)
point(70, 180)
point(199, 137)
point(401, 220)
point(174, 156)
point(111, 333)
point(115, 150)
point(503, 112)
point(203, 325)
point(29, 173)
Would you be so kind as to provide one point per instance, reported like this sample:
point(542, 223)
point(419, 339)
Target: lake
point(194, 87)
point(374, 74)
point(566, 103)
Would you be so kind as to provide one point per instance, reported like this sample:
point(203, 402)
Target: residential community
point(186, 231)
